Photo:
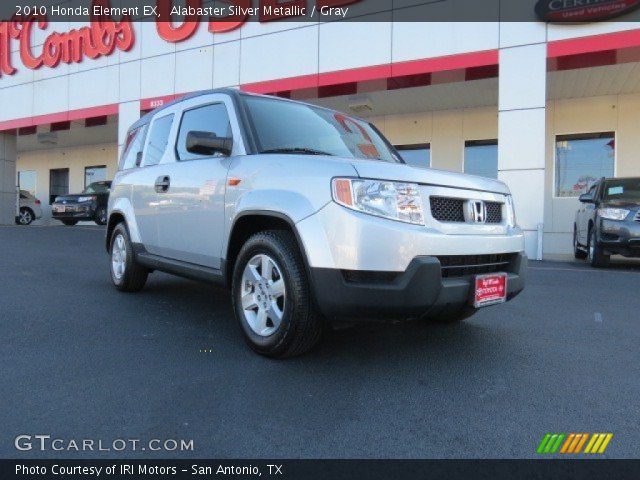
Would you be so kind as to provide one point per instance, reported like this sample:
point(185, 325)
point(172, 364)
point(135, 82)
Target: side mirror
point(208, 143)
point(585, 198)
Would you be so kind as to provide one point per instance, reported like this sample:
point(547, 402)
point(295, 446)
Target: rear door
point(142, 178)
point(191, 210)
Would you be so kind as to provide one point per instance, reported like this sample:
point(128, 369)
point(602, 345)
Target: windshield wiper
point(302, 150)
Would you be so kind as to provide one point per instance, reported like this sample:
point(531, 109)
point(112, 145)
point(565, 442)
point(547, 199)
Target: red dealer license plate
point(490, 289)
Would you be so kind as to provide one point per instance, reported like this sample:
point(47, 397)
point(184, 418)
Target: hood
point(73, 197)
point(380, 170)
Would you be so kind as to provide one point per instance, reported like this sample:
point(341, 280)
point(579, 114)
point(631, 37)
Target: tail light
point(37, 202)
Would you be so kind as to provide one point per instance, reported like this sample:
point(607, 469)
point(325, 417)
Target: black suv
point(88, 205)
point(608, 222)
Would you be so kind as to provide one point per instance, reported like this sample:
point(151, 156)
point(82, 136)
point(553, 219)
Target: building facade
point(547, 108)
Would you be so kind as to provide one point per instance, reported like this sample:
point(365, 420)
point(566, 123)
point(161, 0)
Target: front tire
point(577, 251)
point(126, 274)
point(596, 255)
point(101, 216)
point(25, 217)
point(272, 298)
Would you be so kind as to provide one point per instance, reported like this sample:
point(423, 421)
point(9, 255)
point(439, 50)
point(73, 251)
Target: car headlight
point(613, 213)
point(394, 200)
point(511, 212)
point(89, 198)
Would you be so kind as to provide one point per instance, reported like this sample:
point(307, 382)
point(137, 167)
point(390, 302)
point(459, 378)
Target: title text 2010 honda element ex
point(309, 215)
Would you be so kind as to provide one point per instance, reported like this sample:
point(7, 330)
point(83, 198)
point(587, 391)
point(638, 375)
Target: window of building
point(418, 155)
point(27, 181)
point(133, 148)
point(581, 160)
point(158, 139)
point(481, 158)
point(94, 174)
point(210, 118)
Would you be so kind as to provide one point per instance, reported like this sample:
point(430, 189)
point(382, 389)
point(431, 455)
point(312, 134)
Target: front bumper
point(620, 238)
point(418, 291)
point(338, 238)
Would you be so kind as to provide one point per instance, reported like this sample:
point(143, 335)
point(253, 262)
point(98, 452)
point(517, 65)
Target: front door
point(191, 209)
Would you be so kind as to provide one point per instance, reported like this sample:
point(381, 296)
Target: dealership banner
point(234, 13)
point(319, 469)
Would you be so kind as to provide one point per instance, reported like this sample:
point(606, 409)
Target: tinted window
point(210, 118)
point(288, 127)
point(623, 189)
point(98, 187)
point(158, 139)
point(134, 145)
point(481, 158)
point(417, 155)
point(581, 160)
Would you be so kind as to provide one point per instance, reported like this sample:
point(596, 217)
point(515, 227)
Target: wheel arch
point(114, 219)
point(250, 222)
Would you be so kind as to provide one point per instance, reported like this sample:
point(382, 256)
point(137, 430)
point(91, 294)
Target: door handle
point(163, 183)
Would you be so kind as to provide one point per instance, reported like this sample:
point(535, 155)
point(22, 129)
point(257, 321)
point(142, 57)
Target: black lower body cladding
point(413, 293)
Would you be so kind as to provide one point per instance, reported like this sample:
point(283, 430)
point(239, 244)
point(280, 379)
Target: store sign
point(105, 36)
point(583, 10)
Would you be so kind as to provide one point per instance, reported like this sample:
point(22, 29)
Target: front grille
point(445, 209)
point(464, 265)
point(494, 212)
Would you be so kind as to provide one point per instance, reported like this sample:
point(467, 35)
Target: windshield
point(623, 189)
point(288, 127)
point(98, 187)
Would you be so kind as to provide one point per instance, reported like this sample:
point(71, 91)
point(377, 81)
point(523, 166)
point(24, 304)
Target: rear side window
point(133, 146)
point(210, 118)
point(158, 139)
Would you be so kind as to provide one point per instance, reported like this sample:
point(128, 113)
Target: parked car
point(29, 208)
point(90, 205)
point(309, 215)
point(608, 221)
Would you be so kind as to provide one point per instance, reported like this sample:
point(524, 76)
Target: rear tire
point(101, 216)
point(577, 252)
point(25, 217)
point(126, 274)
point(596, 255)
point(272, 298)
point(69, 223)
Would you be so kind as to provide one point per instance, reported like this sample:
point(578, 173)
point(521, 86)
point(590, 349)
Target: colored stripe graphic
point(598, 443)
point(572, 443)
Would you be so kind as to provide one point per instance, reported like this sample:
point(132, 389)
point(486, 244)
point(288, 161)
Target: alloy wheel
point(118, 257)
point(263, 295)
point(25, 217)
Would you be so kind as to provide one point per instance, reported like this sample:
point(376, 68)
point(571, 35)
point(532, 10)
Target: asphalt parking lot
point(81, 360)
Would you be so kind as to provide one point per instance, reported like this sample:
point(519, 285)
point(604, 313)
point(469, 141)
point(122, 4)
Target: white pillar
point(128, 114)
point(8, 194)
point(522, 123)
